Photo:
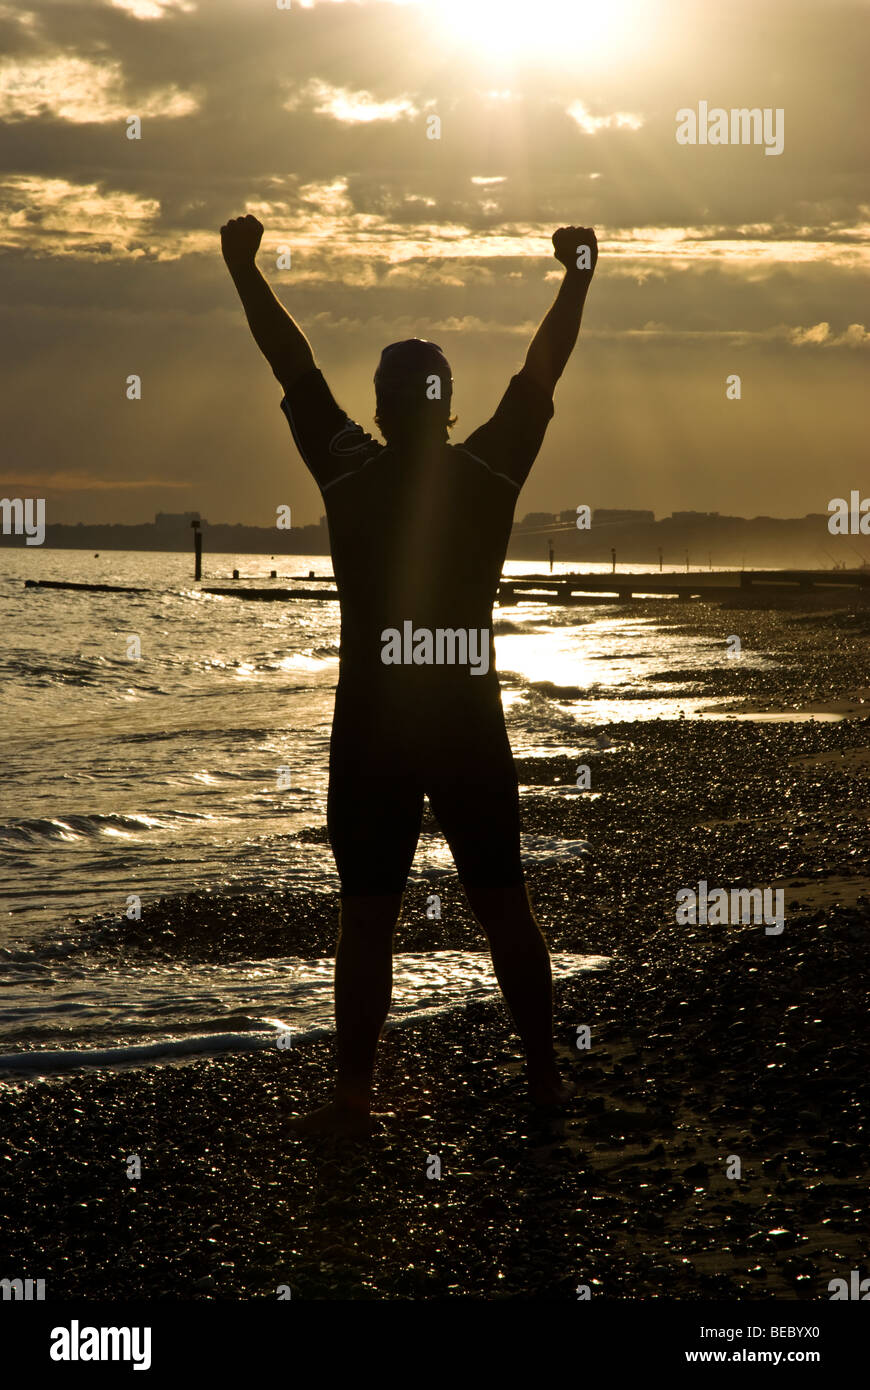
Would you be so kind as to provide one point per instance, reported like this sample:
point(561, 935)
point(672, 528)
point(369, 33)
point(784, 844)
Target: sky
point(715, 259)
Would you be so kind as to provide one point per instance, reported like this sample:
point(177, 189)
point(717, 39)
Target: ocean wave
point(261, 997)
point(550, 849)
point(27, 672)
point(44, 1060)
point(559, 692)
point(77, 827)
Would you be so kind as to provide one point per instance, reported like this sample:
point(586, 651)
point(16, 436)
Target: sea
point(167, 741)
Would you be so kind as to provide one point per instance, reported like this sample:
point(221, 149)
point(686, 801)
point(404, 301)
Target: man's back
point(418, 533)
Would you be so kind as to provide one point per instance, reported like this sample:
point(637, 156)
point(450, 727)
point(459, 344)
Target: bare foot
point(338, 1121)
point(334, 1121)
point(551, 1090)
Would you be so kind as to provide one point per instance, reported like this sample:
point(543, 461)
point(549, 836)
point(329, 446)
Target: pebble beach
point(707, 1044)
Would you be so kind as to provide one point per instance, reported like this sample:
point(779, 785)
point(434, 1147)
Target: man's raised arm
point(554, 341)
point(280, 340)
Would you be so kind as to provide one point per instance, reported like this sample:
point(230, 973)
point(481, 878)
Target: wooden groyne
point(562, 589)
point(580, 588)
point(274, 594)
point(87, 588)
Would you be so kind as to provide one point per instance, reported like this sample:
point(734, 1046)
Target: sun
point(538, 30)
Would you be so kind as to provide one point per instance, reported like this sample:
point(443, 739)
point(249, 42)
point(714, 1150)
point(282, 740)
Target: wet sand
point(708, 1044)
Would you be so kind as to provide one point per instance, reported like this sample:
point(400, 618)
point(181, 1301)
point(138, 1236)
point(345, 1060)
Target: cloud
point(69, 480)
point(314, 119)
point(779, 335)
point(590, 125)
point(82, 91)
point(153, 9)
point(56, 210)
point(350, 107)
point(13, 15)
point(820, 335)
point(629, 249)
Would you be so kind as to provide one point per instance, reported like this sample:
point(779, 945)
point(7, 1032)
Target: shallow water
point(70, 1015)
point(195, 765)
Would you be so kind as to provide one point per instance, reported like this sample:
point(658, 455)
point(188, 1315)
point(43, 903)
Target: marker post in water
point(197, 550)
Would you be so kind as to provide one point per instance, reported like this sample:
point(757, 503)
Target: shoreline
point(690, 1064)
point(707, 1043)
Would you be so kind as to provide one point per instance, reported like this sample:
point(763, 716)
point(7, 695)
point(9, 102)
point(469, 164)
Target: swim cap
point(403, 364)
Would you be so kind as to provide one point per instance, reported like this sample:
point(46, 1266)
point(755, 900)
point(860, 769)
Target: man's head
point(413, 388)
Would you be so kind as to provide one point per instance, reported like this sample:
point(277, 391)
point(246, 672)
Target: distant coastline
point(707, 538)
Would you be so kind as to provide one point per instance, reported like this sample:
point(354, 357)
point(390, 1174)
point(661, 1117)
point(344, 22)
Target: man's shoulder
point(350, 440)
point(508, 443)
point(481, 469)
point(332, 445)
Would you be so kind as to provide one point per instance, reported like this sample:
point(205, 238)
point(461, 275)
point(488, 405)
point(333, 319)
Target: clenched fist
point(577, 249)
point(240, 240)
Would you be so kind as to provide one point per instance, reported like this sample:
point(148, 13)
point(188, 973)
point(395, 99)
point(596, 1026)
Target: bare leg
point(363, 988)
point(522, 967)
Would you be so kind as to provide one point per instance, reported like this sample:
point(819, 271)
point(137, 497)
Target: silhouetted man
point(419, 529)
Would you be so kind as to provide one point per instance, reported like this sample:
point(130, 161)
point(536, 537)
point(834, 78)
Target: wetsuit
point(418, 537)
